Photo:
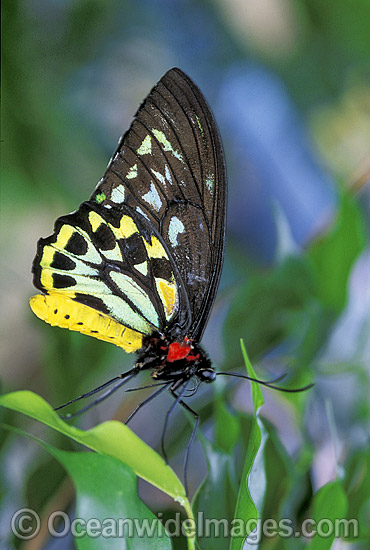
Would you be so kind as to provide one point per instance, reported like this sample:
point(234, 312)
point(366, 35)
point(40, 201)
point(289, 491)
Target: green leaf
point(107, 488)
point(334, 254)
point(279, 472)
point(227, 426)
point(257, 396)
point(215, 500)
point(107, 491)
point(329, 504)
point(253, 484)
point(357, 487)
point(111, 438)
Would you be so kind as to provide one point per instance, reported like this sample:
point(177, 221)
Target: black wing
point(169, 167)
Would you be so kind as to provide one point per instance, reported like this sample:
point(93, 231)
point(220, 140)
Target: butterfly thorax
point(175, 360)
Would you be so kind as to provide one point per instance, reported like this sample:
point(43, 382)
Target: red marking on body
point(177, 351)
point(193, 357)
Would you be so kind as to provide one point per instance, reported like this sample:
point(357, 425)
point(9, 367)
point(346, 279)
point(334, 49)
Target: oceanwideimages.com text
point(26, 524)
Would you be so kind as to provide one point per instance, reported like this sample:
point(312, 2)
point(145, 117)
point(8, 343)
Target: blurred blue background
point(289, 84)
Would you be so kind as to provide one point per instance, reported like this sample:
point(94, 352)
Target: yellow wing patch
point(155, 248)
point(126, 229)
point(59, 310)
point(168, 294)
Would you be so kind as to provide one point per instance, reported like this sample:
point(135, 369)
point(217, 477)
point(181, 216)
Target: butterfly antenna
point(268, 384)
point(277, 379)
point(123, 379)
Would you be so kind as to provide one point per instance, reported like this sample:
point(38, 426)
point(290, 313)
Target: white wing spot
point(138, 209)
point(132, 173)
point(143, 267)
point(160, 177)
point(166, 144)
point(152, 197)
point(192, 278)
point(118, 194)
point(163, 179)
point(146, 146)
point(168, 174)
point(209, 182)
point(175, 227)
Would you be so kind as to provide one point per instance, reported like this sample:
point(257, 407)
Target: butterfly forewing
point(145, 252)
point(169, 170)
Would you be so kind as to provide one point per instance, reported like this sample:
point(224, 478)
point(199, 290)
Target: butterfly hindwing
point(59, 310)
point(109, 261)
point(169, 168)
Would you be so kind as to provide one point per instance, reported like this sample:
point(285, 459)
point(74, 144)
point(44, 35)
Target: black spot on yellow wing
point(60, 261)
point(134, 249)
point(92, 301)
point(104, 238)
point(161, 267)
point(76, 245)
point(63, 281)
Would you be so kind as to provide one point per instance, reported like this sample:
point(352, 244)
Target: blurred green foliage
point(288, 314)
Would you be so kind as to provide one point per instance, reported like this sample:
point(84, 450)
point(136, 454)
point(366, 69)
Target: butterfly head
point(206, 374)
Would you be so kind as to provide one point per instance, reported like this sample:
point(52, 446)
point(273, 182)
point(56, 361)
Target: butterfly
point(138, 265)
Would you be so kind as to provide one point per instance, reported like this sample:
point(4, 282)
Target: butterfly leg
point(190, 442)
point(170, 410)
point(147, 400)
point(178, 400)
